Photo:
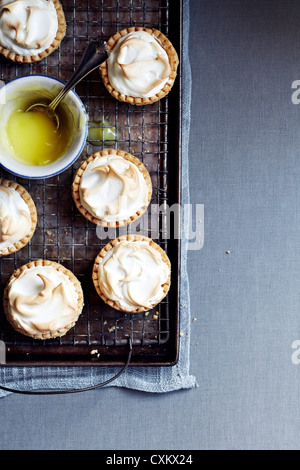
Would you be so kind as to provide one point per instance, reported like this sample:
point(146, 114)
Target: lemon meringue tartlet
point(43, 300)
point(30, 30)
point(18, 217)
point(132, 273)
point(142, 66)
point(112, 188)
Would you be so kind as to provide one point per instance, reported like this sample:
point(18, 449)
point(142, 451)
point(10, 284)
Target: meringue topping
point(42, 300)
point(27, 27)
point(138, 65)
point(15, 219)
point(132, 274)
point(113, 189)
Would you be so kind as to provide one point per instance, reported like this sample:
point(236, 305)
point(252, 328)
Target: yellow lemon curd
point(34, 138)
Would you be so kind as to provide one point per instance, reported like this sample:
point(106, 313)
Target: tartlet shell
point(166, 286)
point(173, 59)
point(58, 267)
point(33, 213)
point(76, 186)
point(61, 31)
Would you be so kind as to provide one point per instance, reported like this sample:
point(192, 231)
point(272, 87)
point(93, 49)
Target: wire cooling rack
point(151, 133)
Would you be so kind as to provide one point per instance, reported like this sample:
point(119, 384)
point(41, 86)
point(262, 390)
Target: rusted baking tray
point(153, 134)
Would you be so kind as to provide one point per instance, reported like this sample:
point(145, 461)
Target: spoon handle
point(95, 54)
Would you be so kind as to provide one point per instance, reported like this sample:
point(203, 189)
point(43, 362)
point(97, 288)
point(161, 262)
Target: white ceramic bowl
point(46, 87)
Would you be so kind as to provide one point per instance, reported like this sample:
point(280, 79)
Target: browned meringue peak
point(139, 65)
point(34, 44)
point(18, 27)
point(129, 181)
point(29, 27)
point(132, 274)
point(8, 226)
point(17, 221)
point(138, 68)
point(135, 42)
point(49, 291)
point(43, 299)
point(5, 189)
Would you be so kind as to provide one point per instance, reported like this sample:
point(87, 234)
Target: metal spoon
point(93, 57)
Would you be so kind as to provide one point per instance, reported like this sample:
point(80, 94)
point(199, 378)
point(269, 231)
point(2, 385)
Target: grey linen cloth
point(147, 379)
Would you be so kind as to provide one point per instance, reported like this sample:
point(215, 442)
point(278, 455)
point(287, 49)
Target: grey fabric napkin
point(147, 379)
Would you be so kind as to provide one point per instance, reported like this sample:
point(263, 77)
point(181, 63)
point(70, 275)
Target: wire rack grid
point(63, 234)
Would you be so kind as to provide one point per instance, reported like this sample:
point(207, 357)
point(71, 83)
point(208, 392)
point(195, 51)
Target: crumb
point(95, 352)
point(194, 319)
point(228, 252)
point(48, 233)
point(112, 328)
point(140, 137)
point(155, 317)
point(181, 333)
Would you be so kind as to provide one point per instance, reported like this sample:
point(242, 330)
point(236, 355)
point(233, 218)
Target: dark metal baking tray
point(153, 134)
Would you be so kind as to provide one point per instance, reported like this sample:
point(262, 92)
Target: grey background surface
point(245, 169)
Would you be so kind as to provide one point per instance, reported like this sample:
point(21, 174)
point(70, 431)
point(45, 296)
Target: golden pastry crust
point(132, 238)
point(76, 185)
point(61, 31)
point(33, 214)
point(57, 267)
point(173, 60)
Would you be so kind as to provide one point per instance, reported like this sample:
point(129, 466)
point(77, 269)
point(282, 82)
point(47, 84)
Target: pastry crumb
point(95, 352)
point(155, 315)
